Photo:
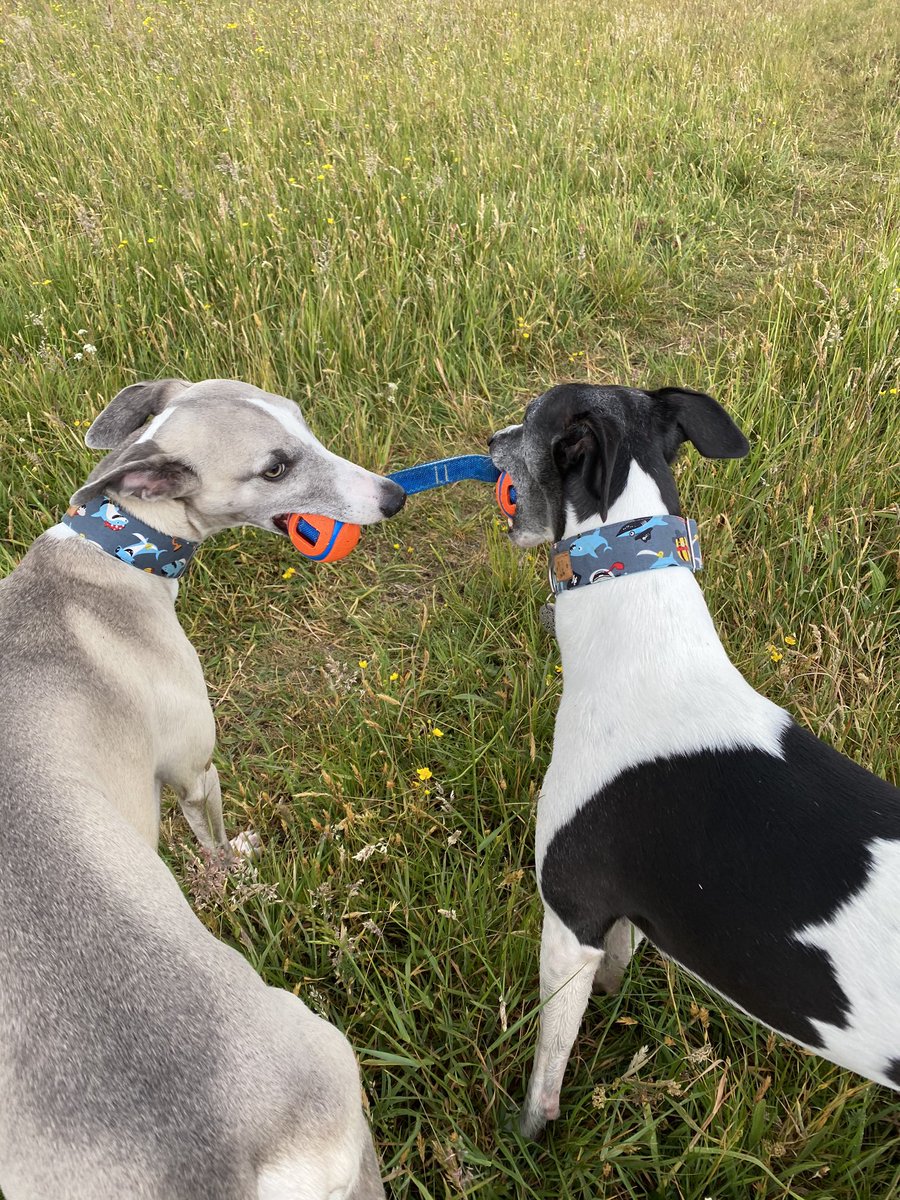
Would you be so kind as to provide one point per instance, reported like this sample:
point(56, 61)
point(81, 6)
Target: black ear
point(592, 440)
point(141, 470)
point(697, 418)
point(128, 411)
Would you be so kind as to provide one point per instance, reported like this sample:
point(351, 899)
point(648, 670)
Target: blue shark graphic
point(141, 546)
point(660, 559)
point(173, 569)
point(110, 516)
point(641, 528)
point(590, 543)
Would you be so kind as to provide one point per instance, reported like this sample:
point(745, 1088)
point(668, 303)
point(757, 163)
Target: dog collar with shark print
point(123, 536)
point(643, 544)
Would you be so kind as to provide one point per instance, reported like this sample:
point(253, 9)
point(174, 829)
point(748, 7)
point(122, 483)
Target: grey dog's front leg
point(201, 804)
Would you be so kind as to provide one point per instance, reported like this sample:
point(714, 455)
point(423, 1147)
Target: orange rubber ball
point(322, 539)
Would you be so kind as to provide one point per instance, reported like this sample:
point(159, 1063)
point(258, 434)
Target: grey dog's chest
point(92, 650)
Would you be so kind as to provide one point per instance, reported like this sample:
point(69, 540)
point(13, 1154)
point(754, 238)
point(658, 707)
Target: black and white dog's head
point(570, 458)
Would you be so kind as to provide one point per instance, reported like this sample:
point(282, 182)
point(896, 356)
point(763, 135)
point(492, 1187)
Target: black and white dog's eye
point(275, 472)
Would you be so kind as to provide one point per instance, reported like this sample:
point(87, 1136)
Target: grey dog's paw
point(246, 845)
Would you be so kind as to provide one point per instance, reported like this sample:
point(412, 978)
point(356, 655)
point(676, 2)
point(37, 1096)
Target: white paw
point(247, 845)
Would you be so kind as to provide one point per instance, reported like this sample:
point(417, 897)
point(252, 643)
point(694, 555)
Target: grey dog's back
point(179, 1090)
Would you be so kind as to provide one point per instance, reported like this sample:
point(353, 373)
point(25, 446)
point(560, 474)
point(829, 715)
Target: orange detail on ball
point(506, 495)
point(322, 539)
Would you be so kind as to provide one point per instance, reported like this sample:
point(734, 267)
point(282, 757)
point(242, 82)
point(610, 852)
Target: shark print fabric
point(123, 536)
point(642, 544)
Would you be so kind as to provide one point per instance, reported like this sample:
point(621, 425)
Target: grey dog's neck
point(170, 517)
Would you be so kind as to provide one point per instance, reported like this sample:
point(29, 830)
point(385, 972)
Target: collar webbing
point(123, 536)
point(642, 544)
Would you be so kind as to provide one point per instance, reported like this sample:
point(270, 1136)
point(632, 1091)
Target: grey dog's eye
point(275, 472)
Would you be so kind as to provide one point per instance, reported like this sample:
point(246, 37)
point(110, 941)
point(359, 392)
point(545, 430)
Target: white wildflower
point(368, 851)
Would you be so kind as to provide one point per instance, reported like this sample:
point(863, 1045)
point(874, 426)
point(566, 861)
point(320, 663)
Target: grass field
point(411, 217)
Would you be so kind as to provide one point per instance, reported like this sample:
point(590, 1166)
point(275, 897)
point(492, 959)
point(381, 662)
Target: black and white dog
point(680, 804)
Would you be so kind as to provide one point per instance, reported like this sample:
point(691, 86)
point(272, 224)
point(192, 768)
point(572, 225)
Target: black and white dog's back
point(679, 803)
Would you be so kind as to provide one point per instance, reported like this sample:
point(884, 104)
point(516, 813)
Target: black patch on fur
point(892, 1070)
point(719, 858)
point(615, 426)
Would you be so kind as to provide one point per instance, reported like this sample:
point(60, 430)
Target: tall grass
point(411, 217)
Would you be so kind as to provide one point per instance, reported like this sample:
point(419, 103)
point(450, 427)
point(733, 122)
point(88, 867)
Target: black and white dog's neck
point(617, 640)
point(640, 497)
point(623, 618)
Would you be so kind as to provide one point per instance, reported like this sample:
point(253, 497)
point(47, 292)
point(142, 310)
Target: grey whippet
point(140, 1056)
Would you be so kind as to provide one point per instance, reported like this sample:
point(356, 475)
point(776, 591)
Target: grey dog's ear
point(141, 470)
point(697, 418)
point(128, 411)
point(592, 440)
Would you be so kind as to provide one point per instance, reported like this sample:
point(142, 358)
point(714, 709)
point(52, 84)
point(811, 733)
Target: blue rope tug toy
point(322, 539)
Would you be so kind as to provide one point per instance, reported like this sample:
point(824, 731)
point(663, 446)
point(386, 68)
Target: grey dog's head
point(226, 453)
point(571, 457)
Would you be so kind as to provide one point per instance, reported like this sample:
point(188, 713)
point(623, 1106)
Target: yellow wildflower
point(289, 573)
point(424, 773)
point(437, 732)
point(790, 640)
point(363, 662)
point(394, 676)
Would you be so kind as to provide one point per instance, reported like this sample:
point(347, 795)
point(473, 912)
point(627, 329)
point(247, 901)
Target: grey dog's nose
point(393, 498)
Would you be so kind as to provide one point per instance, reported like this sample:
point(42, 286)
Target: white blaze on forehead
point(288, 420)
point(155, 425)
point(348, 483)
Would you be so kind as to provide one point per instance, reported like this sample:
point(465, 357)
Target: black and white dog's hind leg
point(618, 946)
